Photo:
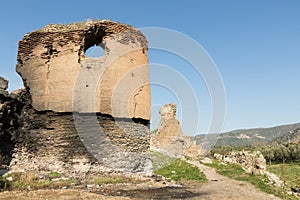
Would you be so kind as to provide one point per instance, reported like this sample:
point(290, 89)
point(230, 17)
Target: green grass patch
point(175, 169)
point(179, 170)
point(235, 171)
point(288, 173)
point(108, 180)
point(54, 175)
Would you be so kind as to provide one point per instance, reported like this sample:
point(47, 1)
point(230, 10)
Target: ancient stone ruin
point(169, 138)
point(78, 114)
point(252, 162)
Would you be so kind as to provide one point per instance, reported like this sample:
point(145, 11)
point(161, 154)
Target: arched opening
point(94, 51)
point(93, 43)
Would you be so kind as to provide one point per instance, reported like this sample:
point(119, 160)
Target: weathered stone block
point(3, 83)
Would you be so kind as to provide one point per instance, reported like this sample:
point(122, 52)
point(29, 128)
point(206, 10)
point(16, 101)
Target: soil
point(218, 188)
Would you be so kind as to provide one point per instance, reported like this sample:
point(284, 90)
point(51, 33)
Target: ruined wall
point(7, 123)
point(79, 114)
point(52, 61)
point(55, 145)
point(169, 138)
point(252, 162)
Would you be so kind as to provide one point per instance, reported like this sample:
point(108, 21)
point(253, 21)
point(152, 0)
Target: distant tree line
point(278, 153)
point(282, 153)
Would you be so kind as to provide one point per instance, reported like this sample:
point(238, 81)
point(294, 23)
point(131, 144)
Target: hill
point(291, 137)
point(250, 137)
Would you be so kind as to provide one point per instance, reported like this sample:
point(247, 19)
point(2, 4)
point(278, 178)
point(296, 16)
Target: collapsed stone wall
point(9, 109)
point(78, 114)
point(252, 162)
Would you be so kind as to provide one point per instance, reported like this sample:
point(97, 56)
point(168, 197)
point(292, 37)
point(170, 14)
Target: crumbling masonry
point(79, 114)
point(169, 138)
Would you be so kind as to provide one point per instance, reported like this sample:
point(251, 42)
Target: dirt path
point(221, 187)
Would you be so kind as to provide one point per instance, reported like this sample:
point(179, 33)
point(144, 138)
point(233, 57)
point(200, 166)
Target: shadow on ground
point(156, 193)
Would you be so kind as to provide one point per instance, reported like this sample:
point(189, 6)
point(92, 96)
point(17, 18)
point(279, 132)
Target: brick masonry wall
point(77, 144)
point(52, 61)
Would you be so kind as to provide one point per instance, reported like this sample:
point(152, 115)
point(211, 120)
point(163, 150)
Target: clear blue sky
point(255, 45)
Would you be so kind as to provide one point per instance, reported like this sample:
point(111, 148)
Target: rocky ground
point(218, 188)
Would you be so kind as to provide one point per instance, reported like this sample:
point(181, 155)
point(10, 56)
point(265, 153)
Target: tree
point(282, 153)
point(269, 154)
point(294, 152)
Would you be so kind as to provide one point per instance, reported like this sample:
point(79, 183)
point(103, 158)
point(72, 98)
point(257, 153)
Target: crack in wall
point(48, 55)
point(135, 100)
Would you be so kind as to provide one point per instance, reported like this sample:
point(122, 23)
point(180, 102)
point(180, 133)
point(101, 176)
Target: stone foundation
point(71, 143)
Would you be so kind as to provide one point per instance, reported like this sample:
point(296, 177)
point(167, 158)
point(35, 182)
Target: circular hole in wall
point(95, 51)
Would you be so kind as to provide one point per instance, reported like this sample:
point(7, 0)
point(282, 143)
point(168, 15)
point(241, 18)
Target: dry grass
point(54, 180)
point(29, 180)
